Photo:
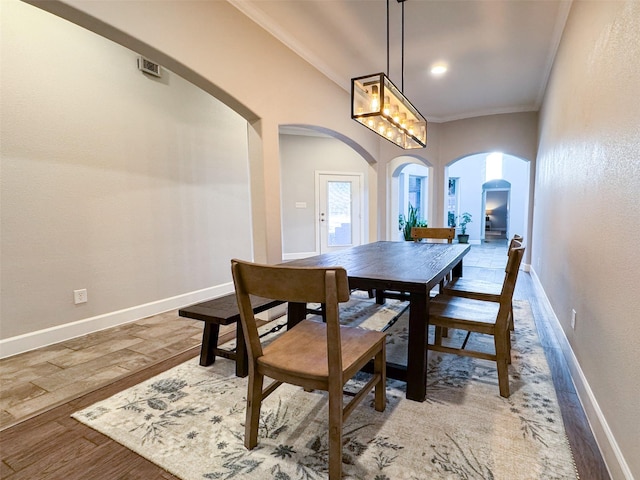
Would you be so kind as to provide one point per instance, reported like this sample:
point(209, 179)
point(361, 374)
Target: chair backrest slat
point(433, 233)
point(275, 282)
point(516, 252)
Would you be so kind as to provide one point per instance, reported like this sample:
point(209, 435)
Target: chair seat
point(470, 287)
point(300, 353)
point(465, 313)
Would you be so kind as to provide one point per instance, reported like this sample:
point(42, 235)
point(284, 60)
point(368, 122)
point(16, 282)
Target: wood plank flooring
point(41, 389)
point(36, 380)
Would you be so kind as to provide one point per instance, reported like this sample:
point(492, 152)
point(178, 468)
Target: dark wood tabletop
point(412, 267)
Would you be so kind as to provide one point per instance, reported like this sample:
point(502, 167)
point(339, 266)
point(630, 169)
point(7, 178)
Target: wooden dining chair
point(481, 289)
point(480, 316)
point(313, 355)
point(435, 233)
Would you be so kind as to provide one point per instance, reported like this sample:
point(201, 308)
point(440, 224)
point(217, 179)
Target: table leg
point(209, 344)
point(296, 312)
point(242, 359)
point(417, 350)
point(457, 270)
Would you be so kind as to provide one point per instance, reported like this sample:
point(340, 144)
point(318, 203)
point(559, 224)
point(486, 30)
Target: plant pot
point(463, 238)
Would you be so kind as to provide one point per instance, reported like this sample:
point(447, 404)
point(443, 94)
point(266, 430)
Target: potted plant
point(405, 224)
point(465, 218)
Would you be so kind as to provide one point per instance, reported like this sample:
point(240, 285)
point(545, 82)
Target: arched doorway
point(469, 175)
point(326, 184)
point(411, 182)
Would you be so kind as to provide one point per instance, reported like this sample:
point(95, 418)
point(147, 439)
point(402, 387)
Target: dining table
point(415, 268)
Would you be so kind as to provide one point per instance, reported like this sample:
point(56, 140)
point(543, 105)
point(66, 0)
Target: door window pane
point(339, 213)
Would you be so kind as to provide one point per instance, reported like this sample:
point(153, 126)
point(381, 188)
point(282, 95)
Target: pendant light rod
point(402, 51)
point(387, 38)
point(401, 46)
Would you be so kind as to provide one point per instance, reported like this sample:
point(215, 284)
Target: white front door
point(339, 210)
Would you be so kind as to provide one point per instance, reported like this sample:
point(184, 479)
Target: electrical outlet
point(573, 319)
point(80, 296)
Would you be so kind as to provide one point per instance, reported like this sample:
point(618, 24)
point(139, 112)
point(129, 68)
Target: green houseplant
point(405, 224)
point(465, 218)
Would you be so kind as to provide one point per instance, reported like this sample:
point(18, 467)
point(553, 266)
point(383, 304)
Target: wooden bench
point(224, 311)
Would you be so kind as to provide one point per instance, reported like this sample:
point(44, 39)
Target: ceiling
point(499, 52)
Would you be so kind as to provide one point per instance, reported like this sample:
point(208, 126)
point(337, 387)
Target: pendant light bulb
point(387, 106)
point(396, 114)
point(375, 99)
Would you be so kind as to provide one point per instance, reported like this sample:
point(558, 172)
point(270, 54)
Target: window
point(452, 201)
point(415, 192)
point(493, 166)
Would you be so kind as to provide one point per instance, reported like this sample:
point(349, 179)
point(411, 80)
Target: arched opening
point(327, 182)
point(411, 183)
point(496, 194)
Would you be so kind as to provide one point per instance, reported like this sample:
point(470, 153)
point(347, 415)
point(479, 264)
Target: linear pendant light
point(382, 107)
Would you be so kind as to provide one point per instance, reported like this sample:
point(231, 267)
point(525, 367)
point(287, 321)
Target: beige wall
point(47, 107)
point(586, 225)
point(110, 180)
point(219, 49)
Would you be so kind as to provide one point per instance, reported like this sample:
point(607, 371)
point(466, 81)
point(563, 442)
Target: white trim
point(614, 460)
point(60, 333)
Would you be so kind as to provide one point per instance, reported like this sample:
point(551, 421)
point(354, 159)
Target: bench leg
point(209, 344)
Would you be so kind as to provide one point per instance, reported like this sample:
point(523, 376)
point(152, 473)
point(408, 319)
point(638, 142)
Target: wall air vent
point(149, 67)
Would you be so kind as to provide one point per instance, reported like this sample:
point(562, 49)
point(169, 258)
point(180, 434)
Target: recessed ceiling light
point(438, 69)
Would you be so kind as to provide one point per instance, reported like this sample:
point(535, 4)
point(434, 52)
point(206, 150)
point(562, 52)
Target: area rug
point(189, 420)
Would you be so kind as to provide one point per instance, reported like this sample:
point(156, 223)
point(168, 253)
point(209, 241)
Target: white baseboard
point(615, 461)
point(48, 336)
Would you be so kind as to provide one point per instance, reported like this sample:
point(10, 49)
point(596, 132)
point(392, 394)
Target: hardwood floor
point(36, 380)
point(40, 390)
point(52, 445)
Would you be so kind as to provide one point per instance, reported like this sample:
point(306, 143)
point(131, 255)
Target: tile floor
point(36, 380)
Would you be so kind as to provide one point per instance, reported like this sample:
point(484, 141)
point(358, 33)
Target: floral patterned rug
point(189, 420)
